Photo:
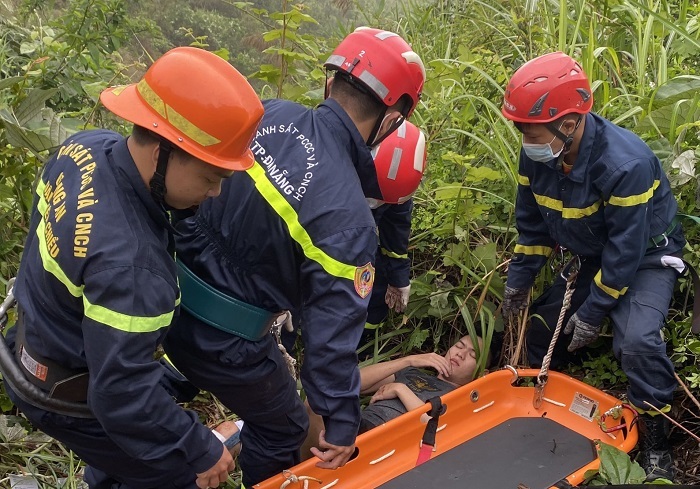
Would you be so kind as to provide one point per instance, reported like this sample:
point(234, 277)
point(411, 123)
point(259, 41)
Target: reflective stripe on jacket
point(612, 202)
point(98, 289)
point(394, 225)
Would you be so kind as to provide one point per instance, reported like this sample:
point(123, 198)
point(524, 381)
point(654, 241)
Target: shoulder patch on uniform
point(364, 280)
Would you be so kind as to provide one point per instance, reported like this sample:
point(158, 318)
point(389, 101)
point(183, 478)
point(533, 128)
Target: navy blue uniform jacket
point(98, 288)
point(612, 202)
point(294, 232)
point(394, 224)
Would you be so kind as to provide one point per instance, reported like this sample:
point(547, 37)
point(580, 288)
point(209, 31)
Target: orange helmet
point(383, 63)
point(400, 161)
point(546, 88)
point(196, 101)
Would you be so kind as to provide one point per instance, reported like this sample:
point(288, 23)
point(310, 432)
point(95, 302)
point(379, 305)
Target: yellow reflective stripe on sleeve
point(124, 322)
point(296, 230)
point(47, 261)
point(171, 115)
point(532, 250)
point(567, 212)
point(523, 180)
point(598, 279)
point(549, 202)
point(574, 213)
point(631, 200)
point(391, 254)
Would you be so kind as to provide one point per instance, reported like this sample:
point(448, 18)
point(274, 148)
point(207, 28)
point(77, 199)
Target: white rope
point(566, 303)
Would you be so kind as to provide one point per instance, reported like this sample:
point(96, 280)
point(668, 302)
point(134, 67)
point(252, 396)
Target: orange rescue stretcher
point(491, 435)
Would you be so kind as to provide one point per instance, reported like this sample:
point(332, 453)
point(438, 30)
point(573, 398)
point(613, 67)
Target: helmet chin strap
point(372, 140)
point(157, 182)
point(568, 140)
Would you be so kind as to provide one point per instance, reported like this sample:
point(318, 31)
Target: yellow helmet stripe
point(177, 120)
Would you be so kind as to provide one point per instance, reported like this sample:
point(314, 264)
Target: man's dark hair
point(144, 136)
point(356, 98)
point(520, 126)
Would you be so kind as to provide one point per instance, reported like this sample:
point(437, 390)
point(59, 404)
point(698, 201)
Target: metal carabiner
point(539, 391)
point(557, 262)
point(571, 268)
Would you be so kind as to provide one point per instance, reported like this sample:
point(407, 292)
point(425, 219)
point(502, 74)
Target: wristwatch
point(233, 440)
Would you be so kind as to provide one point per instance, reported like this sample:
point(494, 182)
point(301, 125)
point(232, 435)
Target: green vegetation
point(642, 56)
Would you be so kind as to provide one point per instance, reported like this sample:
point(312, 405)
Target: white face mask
point(541, 152)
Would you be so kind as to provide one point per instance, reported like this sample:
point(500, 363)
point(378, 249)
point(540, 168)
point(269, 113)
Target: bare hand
point(432, 360)
point(332, 456)
point(387, 391)
point(218, 473)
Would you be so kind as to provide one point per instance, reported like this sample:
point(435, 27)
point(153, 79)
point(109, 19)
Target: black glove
point(514, 301)
point(584, 333)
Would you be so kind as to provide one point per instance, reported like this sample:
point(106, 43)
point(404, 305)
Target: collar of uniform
point(125, 163)
point(585, 149)
point(360, 153)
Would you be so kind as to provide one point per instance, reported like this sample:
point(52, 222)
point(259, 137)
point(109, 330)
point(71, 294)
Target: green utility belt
point(662, 239)
point(221, 311)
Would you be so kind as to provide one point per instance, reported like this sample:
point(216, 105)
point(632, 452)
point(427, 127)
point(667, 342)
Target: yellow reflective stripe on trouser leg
point(296, 230)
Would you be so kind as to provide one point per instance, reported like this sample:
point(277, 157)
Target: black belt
point(61, 383)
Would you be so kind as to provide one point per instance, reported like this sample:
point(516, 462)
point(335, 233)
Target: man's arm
point(534, 241)
point(121, 332)
point(628, 218)
point(372, 377)
point(398, 390)
point(337, 281)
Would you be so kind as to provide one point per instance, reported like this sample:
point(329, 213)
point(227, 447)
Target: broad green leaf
point(30, 108)
point(28, 47)
point(481, 173)
point(694, 346)
point(223, 53)
point(21, 138)
point(679, 88)
point(616, 467)
point(484, 257)
point(8, 82)
point(272, 35)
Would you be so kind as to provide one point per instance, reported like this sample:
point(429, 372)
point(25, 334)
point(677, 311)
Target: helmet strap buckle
point(157, 182)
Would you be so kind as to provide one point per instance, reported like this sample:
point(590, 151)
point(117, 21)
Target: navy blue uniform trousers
point(637, 320)
point(255, 385)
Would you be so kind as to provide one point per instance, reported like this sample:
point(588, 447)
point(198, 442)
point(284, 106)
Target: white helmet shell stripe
point(395, 162)
point(419, 154)
point(412, 57)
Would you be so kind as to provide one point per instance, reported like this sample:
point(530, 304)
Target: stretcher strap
point(427, 444)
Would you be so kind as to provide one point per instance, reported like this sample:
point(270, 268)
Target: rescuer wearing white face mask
point(597, 190)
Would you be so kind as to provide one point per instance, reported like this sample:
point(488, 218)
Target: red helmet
point(198, 102)
point(383, 62)
point(546, 88)
point(400, 161)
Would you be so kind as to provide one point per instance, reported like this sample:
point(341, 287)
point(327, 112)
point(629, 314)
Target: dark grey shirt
point(424, 384)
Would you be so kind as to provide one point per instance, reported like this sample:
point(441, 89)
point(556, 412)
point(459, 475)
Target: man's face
point(462, 359)
point(540, 134)
point(189, 181)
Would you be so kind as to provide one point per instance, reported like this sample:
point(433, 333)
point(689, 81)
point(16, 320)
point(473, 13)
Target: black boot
point(655, 451)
